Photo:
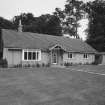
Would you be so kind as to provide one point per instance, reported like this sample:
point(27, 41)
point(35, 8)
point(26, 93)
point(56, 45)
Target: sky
point(11, 8)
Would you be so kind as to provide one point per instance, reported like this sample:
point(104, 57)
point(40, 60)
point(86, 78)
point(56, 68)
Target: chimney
point(20, 26)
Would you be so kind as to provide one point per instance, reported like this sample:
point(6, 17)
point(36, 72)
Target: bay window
point(25, 55)
point(33, 55)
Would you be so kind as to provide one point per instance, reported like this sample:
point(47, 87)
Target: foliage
point(48, 65)
point(38, 65)
point(3, 63)
point(67, 64)
point(17, 66)
point(46, 24)
point(6, 24)
point(96, 31)
point(70, 16)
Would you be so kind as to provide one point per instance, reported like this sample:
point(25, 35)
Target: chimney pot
point(20, 26)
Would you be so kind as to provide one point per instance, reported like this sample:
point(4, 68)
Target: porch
point(56, 55)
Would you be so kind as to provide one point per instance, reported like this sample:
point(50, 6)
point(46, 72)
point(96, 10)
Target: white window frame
point(32, 51)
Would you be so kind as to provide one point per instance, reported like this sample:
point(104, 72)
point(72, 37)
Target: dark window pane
point(84, 55)
point(25, 55)
point(70, 55)
point(29, 55)
point(34, 55)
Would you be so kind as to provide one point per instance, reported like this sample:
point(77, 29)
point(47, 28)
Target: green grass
point(52, 86)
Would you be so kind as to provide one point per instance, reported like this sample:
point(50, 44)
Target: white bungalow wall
point(78, 58)
point(12, 57)
point(16, 57)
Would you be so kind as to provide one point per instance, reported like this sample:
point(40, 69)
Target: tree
point(45, 24)
point(26, 18)
point(6, 24)
point(96, 30)
point(70, 16)
point(53, 26)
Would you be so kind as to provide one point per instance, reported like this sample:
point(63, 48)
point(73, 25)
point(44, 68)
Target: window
point(70, 55)
point(29, 55)
point(85, 56)
point(32, 55)
point(25, 55)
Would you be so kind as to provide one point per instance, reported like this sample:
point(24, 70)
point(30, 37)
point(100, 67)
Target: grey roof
point(24, 40)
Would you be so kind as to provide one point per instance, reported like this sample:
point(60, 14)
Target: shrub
point(19, 65)
point(37, 65)
point(43, 65)
point(14, 66)
point(24, 65)
point(87, 63)
point(28, 65)
point(80, 63)
point(95, 63)
point(3, 63)
point(67, 64)
point(48, 65)
point(33, 65)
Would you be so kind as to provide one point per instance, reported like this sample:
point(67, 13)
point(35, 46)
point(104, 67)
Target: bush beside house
point(3, 63)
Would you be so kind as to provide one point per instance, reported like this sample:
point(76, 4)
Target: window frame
point(85, 56)
point(37, 55)
point(70, 55)
point(25, 55)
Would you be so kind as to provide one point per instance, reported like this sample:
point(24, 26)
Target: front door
point(54, 58)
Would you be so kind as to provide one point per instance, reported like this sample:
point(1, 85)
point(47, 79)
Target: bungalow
point(32, 48)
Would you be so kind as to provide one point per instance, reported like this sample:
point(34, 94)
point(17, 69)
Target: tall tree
point(26, 18)
point(53, 26)
point(45, 24)
point(96, 31)
point(6, 24)
point(70, 16)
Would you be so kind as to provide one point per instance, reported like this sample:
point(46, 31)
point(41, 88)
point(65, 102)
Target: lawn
point(52, 86)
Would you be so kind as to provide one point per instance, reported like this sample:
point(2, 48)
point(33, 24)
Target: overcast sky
point(10, 8)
